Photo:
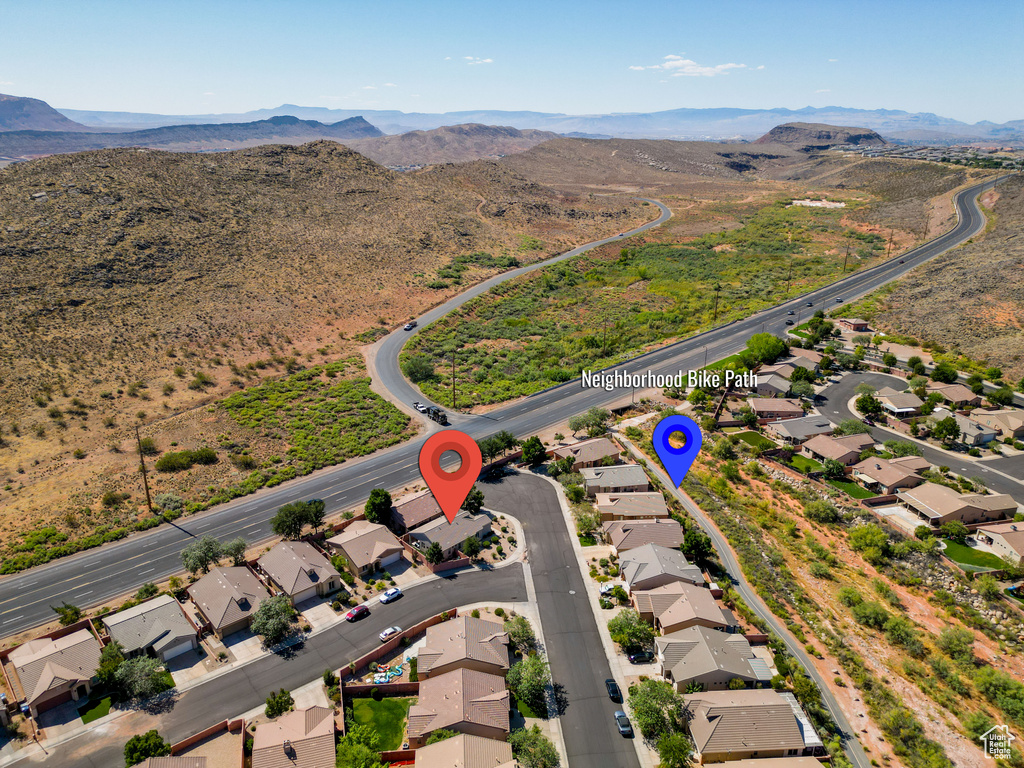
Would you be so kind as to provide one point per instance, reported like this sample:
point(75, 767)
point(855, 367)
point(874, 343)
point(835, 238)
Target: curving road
point(96, 576)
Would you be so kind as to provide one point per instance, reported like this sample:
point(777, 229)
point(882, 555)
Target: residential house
point(625, 478)
point(854, 324)
point(157, 627)
point(631, 506)
point(679, 605)
point(1009, 422)
point(956, 395)
point(303, 738)
point(464, 701)
point(176, 761)
point(464, 643)
point(299, 570)
point(227, 598)
point(810, 355)
point(653, 565)
point(625, 535)
point(1006, 540)
point(771, 408)
point(367, 547)
point(466, 751)
point(773, 762)
point(451, 535)
point(901, 405)
point(797, 431)
point(846, 450)
point(886, 476)
point(52, 672)
point(414, 511)
point(599, 451)
point(784, 370)
point(972, 432)
point(772, 385)
point(801, 361)
point(743, 724)
point(702, 656)
point(938, 504)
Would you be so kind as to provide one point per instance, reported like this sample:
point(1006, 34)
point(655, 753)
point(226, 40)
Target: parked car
point(410, 325)
point(389, 632)
point(869, 422)
point(613, 690)
point(641, 657)
point(390, 595)
point(622, 723)
point(357, 613)
point(608, 586)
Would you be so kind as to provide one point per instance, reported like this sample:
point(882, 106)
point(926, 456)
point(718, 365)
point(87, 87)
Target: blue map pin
point(677, 460)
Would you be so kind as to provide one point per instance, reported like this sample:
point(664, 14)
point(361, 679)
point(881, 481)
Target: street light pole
point(718, 287)
point(453, 380)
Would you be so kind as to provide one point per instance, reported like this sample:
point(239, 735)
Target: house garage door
point(391, 559)
point(176, 650)
point(305, 594)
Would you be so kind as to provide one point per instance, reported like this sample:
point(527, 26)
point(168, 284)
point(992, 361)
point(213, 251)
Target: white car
point(389, 632)
point(390, 595)
point(410, 325)
point(608, 586)
point(419, 407)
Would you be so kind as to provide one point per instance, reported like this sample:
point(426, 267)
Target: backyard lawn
point(94, 710)
point(852, 489)
point(527, 711)
point(386, 717)
point(805, 465)
point(756, 440)
point(971, 559)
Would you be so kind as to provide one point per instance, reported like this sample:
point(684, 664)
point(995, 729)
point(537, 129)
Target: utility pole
point(718, 287)
point(845, 258)
point(453, 380)
point(888, 253)
point(604, 344)
point(705, 356)
point(789, 280)
point(142, 466)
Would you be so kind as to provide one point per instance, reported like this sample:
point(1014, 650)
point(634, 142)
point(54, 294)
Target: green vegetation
point(851, 489)
point(451, 273)
point(386, 717)
point(971, 559)
point(178, 461)
point(143, 746)
point(756, 440)
point(95, 709)
point(805, 464)
point(544, 328)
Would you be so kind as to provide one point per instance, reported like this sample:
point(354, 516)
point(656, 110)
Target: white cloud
point(824, 90)
point(369, 87)
point(209, 93)
point(678, 66)
point(471, 60)
point(447, 58)
point(6, 82)
point(833, 60)
point(390, 85)
point(760, 66)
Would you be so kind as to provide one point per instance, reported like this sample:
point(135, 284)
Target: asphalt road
point(1000, 475)
point(93, 577)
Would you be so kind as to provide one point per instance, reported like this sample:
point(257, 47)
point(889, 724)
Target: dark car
point(810, 304)
point(868, 422)
point(641, 657)
point(790, 322)
point(839, 300)
point(791, 312)
point(357, 613)
point(613, 690)
point(901, 261)
point(622, 723)
point(410, 325)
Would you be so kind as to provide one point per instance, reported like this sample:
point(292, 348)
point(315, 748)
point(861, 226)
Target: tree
point(697, 398)
point(864, 389)
point(441, 734)
point(471, 546)
point(528, 679)
point(520, 632)
point(833, 470)
point(901, 448)
point(868, 405)
point(987, 587)
point(957, 643)
point(201, 554)
point(657, 709)
point(630, 631)
point(474, 501)
point(802, 388)
point(315, 512)
point(674, 751)
point(923, 532)
point(724, 449)
point(360, 748)
point(434, 554)
point(533, 451)
point(418, 368)
point(862, 339)
point(278, 703)
point(736, 684)
point(506, 440)
point(870, 614)
point(577, 423)
point(378, 506)
point(889, 360)
point(290, 520)
point(821, 511)
point(764, 348)
point(147, 590)
point(697, 545)
point(945, 373)
point(1001, 397)
point(140, 677)
point(575, 493)
point(273, 619)
point(871, 541)
point(533, 749)
point(946, 430)
point(110, 659)
point(900, 631)
point(235, 549)
point(142, 747)
point(803, 374)
point(852, 427)
point(67, 613)
point(955, 531)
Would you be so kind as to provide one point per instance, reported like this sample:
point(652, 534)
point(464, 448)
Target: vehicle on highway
point(641, 657)
point(622, 723)
point(410, 325)
point(791, 312)
point(436, 414)
point(790, 322)
point(419, 406)
point(839, 300)
point(389, 632)
point(390, 595)
point(357, 613)
point(613, 690)
point(901, 261)
point(809, 304)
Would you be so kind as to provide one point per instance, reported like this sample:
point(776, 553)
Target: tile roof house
point(783, 370)
point(465, 701)
point(810, 355)
point(51, 672)
point(227, 598)
point(303, 738)
point(679, 605)
point(747, 723)
point(176, 761)
point(772, 385)
point(1006, 540)
point(413, 511)
point(899, 404)
point(771, 408)
point(625, 535)
point(886, 476)
point(801, 361)
point(367, 547)
point(773, 762)
point(451, 535)
point(466, 751)
point(955, 394)
point(626, 478)
point(1009, 421)
point(846, 450)
point(631, 506)
point(710, 658)
point(653, 565)
point(796, 431)
point(589, 453)
point(971, 432)
point(938, 504)
point(299, 570)
point(853, 324)
point(159, 625)
point(464, 643)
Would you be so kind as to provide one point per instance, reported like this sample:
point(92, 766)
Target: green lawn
point(756, 440)
point(528, 711)
point(852, 489)
point(94, 710)
point(971, 559)
point(586, 541)
point(387, 718)
point(805, 465)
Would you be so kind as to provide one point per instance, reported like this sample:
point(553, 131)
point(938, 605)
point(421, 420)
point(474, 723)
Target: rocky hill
point(18, 113)
point(449, 144)
point(812, 136)
point(275, 130)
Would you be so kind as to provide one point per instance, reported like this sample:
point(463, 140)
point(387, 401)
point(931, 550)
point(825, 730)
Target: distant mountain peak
point(19, 113)
point(819, 136)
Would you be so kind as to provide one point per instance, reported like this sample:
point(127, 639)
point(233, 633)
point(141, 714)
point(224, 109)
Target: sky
point(955, 59)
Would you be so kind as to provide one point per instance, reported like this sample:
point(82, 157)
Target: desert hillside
point(809, 136)
point(449, 144)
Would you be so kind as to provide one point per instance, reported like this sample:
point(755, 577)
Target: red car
point(357, 613)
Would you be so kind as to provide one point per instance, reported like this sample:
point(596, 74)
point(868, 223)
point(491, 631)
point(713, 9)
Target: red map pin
point(450, 489)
